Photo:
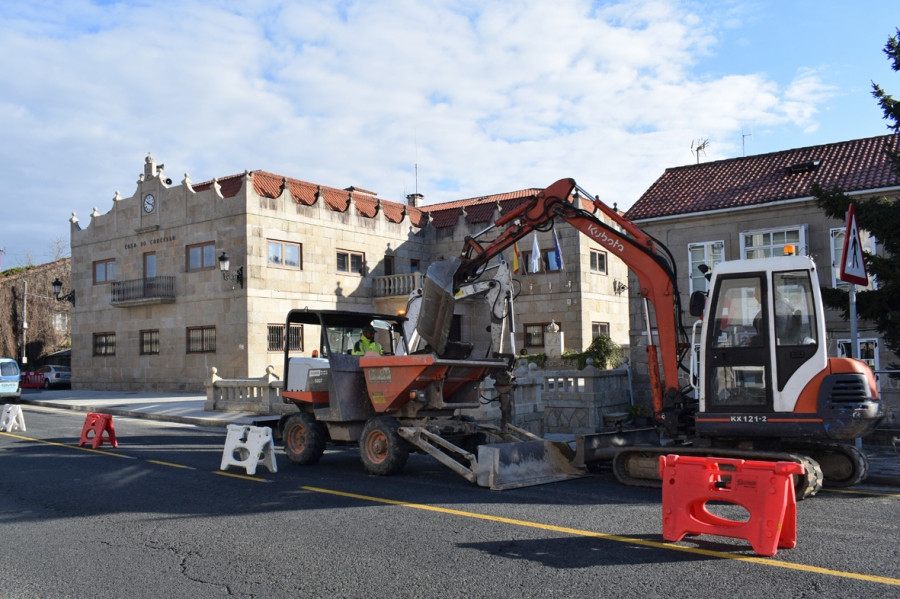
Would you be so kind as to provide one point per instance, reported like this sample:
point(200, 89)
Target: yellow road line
point(91, 449)
point(853, 492)
point(629, 540)
point(243, 476)
point(171, 464)
point(119, 455)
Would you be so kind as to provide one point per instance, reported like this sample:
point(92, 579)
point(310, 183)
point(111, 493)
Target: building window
point(275, 337)
point(286, 254)
point(534, 335)
point(201, 340)
point(104, 344)
point(868, 351)
point(771, 242)
point(709, 253)
point(104, 271)
point(414, 265)
point(837, 252)
point(201, 256)
point(599, 328)
point(61, 321)
point(150, 342)
point(598, 262)
point(350, 262)
point(388, 265)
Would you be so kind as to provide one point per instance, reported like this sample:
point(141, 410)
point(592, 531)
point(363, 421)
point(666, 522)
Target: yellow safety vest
point(364, 345)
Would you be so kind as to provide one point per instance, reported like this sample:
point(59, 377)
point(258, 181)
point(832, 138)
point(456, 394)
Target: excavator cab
point(764, 367)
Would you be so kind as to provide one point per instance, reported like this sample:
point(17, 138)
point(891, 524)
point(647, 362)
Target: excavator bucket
point(436, 312)
point(511, 465)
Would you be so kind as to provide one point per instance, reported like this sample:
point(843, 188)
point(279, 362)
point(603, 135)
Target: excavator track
point(639, 466)
point(843, 465)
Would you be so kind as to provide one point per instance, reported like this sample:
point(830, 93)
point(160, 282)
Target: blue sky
point(485, 97)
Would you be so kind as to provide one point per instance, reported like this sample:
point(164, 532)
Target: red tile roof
point(477, 210)
point(481, 209)
point(270, 185)
point(855, 165)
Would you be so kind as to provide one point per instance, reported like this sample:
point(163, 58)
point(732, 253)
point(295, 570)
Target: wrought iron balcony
point(151, 290)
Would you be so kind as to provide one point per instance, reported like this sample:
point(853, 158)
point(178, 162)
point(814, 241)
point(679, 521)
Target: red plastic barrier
point(32, 380)
point(98, 424)
point(764, 489)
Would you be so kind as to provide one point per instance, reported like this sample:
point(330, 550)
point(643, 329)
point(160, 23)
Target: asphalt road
point(156, 518)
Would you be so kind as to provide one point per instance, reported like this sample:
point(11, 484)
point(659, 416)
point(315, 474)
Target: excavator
point(760, 386)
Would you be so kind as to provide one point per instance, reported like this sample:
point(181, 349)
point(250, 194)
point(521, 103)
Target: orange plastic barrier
point(764, 489)
point(32, 380)
point(98, 424)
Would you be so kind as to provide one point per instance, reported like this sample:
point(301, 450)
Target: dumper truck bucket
point(520, 460)
point(436, 312)
point(503, 466)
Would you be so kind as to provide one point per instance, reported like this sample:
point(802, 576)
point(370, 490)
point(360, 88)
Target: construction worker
point(367, 342)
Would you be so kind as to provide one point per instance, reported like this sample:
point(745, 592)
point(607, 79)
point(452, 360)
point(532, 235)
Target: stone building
point(752, 207)
point(27, 296)
point(155, 312)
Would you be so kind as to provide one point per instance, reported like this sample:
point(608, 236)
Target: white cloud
point(485, 97)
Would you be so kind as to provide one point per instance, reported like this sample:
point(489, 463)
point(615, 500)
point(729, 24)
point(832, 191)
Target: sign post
point(853, 271)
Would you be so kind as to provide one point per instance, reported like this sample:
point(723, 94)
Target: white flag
point(535, 255)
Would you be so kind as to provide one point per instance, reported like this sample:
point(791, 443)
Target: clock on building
point(149, 202)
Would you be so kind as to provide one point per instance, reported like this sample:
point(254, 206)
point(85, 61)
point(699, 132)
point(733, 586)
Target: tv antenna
point(744, 137)
point(416, 164)
point(699, 146)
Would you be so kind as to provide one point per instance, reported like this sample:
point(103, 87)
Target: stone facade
point(155, 313)
point(27, 296)
point(576, 298)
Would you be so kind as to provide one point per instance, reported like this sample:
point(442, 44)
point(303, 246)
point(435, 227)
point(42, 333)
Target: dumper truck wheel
point(303, 438)
point(382, 450)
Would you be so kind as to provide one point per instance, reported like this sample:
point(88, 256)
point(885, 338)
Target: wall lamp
point(619, 287)
point(57, 288)
point(225, 265)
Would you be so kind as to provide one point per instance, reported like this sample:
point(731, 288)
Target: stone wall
point(47, 318)
point(564, 401)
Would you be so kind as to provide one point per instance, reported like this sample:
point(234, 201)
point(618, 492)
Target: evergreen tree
point(881, 217)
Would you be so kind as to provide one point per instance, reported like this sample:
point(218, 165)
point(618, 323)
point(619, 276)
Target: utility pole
point(24, 323)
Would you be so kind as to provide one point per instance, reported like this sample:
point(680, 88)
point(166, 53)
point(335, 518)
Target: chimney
point(415, 200)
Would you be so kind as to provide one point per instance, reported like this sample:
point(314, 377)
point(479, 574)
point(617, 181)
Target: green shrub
point(539, 359)
point(602, 350)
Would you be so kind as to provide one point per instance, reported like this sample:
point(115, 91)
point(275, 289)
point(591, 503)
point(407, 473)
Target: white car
point(9, 378)
point(56, 376)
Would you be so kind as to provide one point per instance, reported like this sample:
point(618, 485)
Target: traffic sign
point(853, 263)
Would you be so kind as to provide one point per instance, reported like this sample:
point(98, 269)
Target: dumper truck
point(400, 400)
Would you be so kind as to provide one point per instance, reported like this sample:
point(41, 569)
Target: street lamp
point(225, 265)
point(57, 288)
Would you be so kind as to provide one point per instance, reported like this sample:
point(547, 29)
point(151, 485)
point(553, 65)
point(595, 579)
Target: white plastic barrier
point(12, 418)
point(248, 446)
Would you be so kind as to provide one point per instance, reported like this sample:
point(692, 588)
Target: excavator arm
point(647, 259)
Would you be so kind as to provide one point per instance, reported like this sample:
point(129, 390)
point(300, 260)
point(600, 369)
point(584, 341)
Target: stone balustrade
point(563, 401)
point(545, 401)
point(393, 285)
point(253, 395)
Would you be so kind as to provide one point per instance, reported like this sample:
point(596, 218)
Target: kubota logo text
point(602, 237)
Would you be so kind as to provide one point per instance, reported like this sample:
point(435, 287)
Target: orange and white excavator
point(762, 386)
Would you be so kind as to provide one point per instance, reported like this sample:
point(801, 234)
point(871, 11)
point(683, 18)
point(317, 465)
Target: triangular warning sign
point(853, 264)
